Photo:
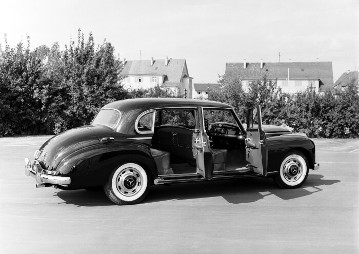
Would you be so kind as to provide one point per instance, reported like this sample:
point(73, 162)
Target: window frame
point(153, 111)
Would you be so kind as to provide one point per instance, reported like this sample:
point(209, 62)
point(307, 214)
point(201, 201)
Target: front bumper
point(42, 179)
point(316, 166)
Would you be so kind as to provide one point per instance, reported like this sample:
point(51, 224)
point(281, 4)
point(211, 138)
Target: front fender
point(280, 146)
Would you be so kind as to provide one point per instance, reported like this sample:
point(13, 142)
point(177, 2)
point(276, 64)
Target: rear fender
point(103, 159)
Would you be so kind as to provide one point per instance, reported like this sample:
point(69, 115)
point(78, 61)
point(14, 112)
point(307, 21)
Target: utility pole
point(279, 57)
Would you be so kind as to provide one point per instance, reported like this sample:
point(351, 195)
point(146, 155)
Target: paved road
point(238, 216)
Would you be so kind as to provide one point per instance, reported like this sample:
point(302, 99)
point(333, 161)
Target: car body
point(133, 144)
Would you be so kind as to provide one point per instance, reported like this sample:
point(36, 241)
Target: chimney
point(152, 61)
point(166, 61)
point(261, 63)
point(244, 64)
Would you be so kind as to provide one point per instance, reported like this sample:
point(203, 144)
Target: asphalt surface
point(247, 215)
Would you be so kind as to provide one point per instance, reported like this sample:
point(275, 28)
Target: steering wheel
point(224, 128)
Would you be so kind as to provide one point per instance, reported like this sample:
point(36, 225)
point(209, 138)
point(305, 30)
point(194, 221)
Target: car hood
point(61, 145)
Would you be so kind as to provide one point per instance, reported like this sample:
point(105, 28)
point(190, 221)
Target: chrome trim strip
point(141, 138)
point(174, 107)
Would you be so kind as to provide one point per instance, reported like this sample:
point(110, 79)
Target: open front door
point(256, 150)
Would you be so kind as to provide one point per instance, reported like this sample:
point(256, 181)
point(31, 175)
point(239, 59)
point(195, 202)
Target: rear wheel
point(293, 171)
point(128, 184)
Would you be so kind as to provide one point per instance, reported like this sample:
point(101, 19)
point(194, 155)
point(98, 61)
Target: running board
point(238, 171)
point(193, 177)
point(178, 178)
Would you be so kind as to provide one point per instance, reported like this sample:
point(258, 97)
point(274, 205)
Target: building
point(350, 77)
point(292, 77)
point(170, 74)
point(200, 90)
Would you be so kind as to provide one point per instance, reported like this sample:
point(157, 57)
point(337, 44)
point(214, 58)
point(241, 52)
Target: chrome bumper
point(42, 179)
point(316, 166)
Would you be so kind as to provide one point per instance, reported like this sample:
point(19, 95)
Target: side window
point(176, 117)
point(219, 115)
point(220, 121)
point(144, 123)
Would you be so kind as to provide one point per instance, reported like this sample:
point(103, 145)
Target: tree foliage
point(334, 114)
point(50, 90)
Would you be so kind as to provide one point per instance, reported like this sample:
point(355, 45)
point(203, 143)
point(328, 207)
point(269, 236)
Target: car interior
point(173, 139)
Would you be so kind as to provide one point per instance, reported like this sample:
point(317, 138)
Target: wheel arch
point(305, 152)
point(96, 168)
point(143, 159)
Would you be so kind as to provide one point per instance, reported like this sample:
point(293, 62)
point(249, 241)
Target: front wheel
point(293, 171)
point(128, 184)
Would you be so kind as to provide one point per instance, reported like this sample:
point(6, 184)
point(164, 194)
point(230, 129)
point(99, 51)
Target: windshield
point(108, 117)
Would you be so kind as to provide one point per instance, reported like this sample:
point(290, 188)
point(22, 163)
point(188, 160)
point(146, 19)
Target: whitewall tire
point(128, 184)
point(293, 171)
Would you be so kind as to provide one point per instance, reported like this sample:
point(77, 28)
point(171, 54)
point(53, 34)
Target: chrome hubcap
point(129, 182)
point(292, 170)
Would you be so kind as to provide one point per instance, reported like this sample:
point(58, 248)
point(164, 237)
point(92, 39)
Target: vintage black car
point(133, 144)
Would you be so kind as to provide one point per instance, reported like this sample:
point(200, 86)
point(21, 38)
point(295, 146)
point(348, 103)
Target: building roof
point(346, 78)
point(204, 87)
point(322, 71)
point(173, 71)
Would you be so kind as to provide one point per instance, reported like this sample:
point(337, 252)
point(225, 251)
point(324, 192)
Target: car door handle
point(107, 139)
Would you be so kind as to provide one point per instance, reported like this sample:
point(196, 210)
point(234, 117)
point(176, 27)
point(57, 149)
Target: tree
point(49, 90)
point(262, 91)
point(20, 75)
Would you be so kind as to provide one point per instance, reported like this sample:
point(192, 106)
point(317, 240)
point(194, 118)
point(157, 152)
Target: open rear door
point(200, 148)
point(256, 150)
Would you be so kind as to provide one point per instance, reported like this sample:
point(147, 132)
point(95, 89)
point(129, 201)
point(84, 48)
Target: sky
point(207, 33)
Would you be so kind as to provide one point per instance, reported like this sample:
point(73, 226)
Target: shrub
point(334, 114)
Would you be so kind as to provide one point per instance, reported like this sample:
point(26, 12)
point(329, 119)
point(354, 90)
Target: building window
point(139, 79)
point(311, 86)
point(199, 92)
point(154, 79)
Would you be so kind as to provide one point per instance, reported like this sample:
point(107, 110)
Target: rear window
point(108, 117)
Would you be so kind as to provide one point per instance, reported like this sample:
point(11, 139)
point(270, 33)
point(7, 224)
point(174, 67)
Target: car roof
point(148, 103)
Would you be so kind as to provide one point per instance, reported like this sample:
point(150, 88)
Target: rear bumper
point(316, 166)
point(42, 179)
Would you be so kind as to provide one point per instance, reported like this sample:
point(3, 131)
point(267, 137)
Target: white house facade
point(169, 74)
point(201, 90)
point(291, 77)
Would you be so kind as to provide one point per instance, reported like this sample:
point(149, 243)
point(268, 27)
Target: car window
point(144, 123)
point(219, 115)
point(107, 117)
point(220, 121)
point(176, 117)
